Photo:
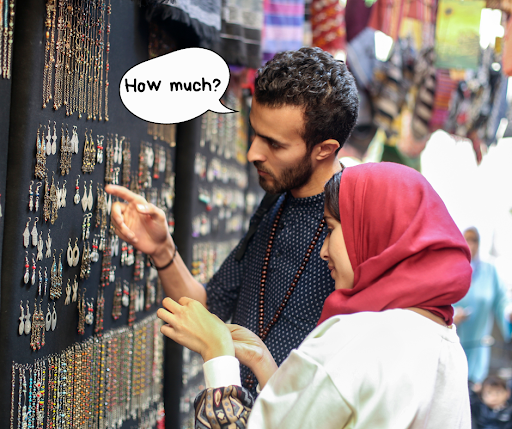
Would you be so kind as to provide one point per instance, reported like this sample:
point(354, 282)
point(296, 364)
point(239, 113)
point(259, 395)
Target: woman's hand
point(253, 353)
point(193, 326)
point(142, 224)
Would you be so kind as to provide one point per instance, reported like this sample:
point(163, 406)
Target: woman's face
point(472, 240)
point(335, 253)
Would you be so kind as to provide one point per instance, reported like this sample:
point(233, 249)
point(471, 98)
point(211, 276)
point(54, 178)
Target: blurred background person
point(475, 314)
point(491, 409)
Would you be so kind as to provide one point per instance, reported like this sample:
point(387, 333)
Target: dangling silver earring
point(28, 323)
point(68, 294)
point(90, 198)
point(26, 234)
point(54, 318)
point(76, 253)
point(37, 195)
point(48, 141)
point(75, 290)
point(54, 139)
point(76, 199)
point(48, 319)
point(34, 233)
point(63, 194)
point(40, 275)
point(33, 277)
point(26, 277)
point(21, 327)
point(31, 197)
point(48, 246)
point(69, 254)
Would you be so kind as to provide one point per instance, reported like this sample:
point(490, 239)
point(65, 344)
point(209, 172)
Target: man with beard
point(304, 107)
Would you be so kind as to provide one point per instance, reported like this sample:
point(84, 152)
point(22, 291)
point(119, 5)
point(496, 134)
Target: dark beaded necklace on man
point(263, 330)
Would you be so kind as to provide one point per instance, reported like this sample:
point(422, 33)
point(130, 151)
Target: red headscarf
point(404, 247)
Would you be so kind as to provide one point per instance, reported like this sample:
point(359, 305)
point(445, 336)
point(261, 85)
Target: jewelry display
point(40, 276)
point(100, 308)
point(75, 68)
point(54, 202)
point(40, 168)
point(37, 196)
point(81, 314)
point(109, 160)
point(116, 307)
point(7, 32)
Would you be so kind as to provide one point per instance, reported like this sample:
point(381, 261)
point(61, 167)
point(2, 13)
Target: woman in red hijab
point(385, 354)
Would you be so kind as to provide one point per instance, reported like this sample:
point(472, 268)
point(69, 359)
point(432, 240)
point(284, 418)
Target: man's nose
point(256, 151)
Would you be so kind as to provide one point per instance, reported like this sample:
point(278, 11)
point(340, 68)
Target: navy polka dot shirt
point(233, 292)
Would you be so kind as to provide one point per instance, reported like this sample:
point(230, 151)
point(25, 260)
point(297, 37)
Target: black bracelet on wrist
point(166, 265)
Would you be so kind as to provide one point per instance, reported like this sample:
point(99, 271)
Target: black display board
point(20, 118)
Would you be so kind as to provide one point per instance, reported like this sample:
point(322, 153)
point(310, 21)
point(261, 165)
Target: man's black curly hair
point(312, 78)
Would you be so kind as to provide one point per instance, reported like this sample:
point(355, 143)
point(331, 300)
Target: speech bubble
point(176, 87)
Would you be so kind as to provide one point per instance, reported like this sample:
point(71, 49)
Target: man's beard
point(291, 178)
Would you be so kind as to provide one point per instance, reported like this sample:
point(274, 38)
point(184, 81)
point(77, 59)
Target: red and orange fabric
point(328, 25)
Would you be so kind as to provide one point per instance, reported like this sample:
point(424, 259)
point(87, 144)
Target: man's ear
point(325, 149)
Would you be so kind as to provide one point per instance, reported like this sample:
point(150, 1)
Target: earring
point(48, 319)
point(89, 319)
point(31, 197)
point(26, 277)
point(75, 290)
point(126, 294)
point(109, 204)
point(90, 198)
point(68, 294)
point(77, 191)
point(45, 279)
point(115, 245)
point(116, 308)
point(58, 195)
point(85, 200)
point(70, 254)
point(26, 234)
point(34, 233)
point(63, 194)
point(40, 245)
point(100, 307)
point(74, 140)
point(76, 253)
point(48, 141)
point(54, 139)
point(37, 196)
point(33, 277)
point(41, 324)
point(40, 275)
point(47, 202)
point(21, 327)
point(116, 151)
point(99, 152)
point(40, 169)
point(94, 254)
point(48, 246)
point(28, 323)
point(54, 318)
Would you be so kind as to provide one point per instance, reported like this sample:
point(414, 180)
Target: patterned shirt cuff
point(222, 371)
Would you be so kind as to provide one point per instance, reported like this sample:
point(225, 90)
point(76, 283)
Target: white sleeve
point(222, 371)
point(300, 394)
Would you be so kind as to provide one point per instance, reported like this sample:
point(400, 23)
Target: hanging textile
point(357, 14)
point(391, 83)
point(204, 16)
point(507, 51)
point(386, 16)
point(422, 10)
point(458, 34)
point(283, 27)
point(445, 86)
point(328, 25)
point(425, 82)
point(240, 35)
